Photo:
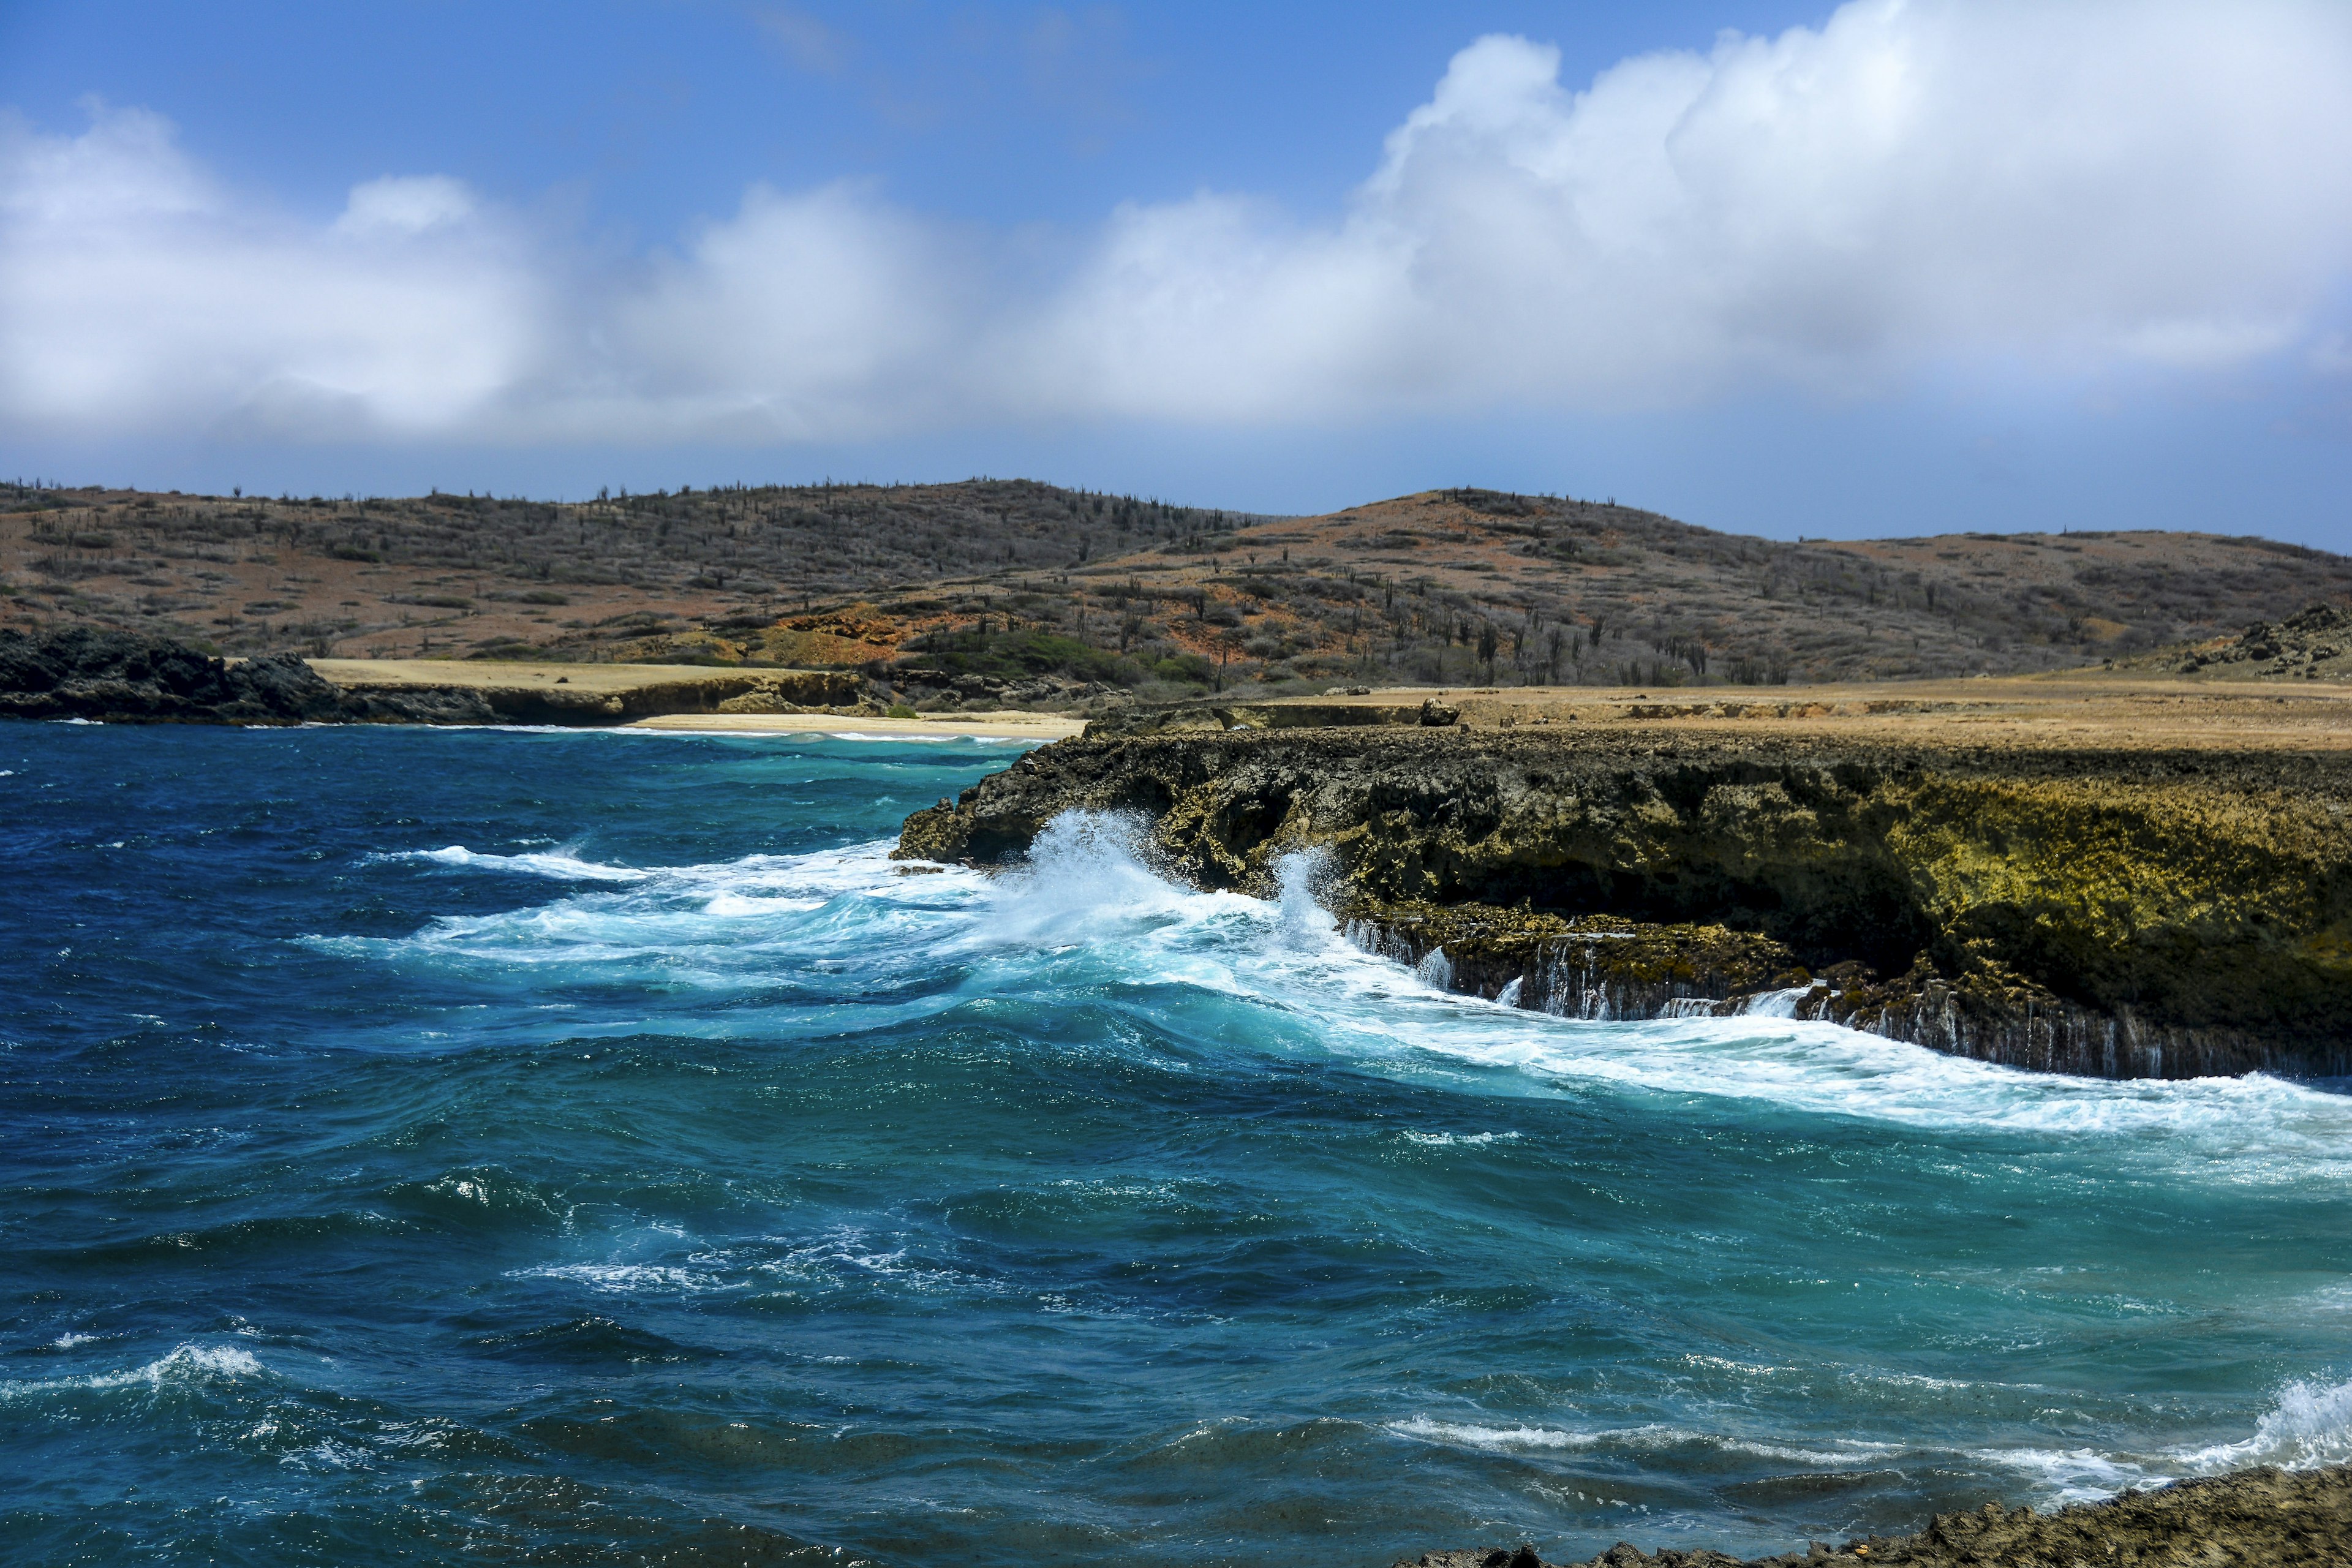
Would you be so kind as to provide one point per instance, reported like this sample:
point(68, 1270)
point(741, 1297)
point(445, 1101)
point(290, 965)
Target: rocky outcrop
point(2266, 1517)
point(937, 689)
point(1215, 716)
point(556, 704)
point(801, 692)
point(2126, 914)
point(87, 672)
point(2312, 644)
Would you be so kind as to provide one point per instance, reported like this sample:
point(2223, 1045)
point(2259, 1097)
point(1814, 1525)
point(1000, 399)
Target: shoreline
point(2068, 888)
point(1005, 726)
point(2263, 1515)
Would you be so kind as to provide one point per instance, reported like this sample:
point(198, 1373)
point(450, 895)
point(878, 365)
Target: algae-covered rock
point(2260, 1518)
point(1584, 966)
point(2141, 913)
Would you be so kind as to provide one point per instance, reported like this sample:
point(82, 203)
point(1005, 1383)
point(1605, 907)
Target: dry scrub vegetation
point(991, 590)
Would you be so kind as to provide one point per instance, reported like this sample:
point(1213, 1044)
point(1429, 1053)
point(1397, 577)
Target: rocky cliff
point(2121, 913)
point(89, 672)
point(86, 672)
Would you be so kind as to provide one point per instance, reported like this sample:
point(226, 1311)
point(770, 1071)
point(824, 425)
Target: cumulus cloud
point(801, 316)
point(1915, 183)
point(136, 293)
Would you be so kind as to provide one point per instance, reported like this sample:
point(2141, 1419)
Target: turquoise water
point(488, 1146)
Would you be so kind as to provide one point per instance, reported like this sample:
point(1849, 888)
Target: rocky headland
point(2108, 897)
point(114, 677)
point(2256, 1519)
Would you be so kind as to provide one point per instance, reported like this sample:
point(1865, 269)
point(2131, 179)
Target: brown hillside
point(1009, 578)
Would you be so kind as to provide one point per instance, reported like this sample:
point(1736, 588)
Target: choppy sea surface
point(490, 1146)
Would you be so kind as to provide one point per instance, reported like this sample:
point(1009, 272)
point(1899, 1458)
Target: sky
point(1892, 266)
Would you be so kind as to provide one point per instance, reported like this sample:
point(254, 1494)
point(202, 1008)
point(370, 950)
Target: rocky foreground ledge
point(2255, 1519)
point(2071, 905)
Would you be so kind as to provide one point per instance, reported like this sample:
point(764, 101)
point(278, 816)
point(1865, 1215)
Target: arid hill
point(1005, 581)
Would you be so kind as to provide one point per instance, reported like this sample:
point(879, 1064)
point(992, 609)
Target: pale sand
point(1007, 726)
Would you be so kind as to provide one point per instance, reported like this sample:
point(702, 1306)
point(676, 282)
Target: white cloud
point(135, 293)
point(811, 315)
point(406, 204)
point(2074, 187)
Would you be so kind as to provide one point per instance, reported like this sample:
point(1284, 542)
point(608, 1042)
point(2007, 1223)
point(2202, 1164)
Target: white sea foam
point(1647, 1438)
point(1088, 909)
point(188, 1363)
point(562, 867)
point(1087, 897)
point(1455, 1139)
point(1467, 1435)
point(625, 1279)
point(2077, 1474)
point(2310, 1424)
point(1775, 1004)
point(714, 927)
point(1084, 881)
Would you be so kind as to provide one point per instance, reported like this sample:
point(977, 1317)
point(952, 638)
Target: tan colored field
point(1001, 726)
point(2099, 712)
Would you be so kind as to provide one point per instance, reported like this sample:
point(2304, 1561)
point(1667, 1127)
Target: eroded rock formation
point(2117, 913)
point(2277, 1519)
point(89, 672)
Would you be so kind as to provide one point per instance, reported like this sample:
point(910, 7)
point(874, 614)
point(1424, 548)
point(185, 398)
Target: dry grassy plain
point(2067, 711)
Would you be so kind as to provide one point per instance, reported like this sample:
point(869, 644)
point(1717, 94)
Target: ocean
point(584, 1148)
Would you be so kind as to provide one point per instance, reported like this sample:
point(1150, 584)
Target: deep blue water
point(480, 1146)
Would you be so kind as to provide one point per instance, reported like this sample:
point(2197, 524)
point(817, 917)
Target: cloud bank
point(2072, 188)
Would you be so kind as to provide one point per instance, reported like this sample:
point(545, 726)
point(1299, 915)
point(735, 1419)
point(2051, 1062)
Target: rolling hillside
point(1002, 581)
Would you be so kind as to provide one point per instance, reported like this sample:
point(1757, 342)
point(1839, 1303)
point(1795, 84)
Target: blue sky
point(1874, 269)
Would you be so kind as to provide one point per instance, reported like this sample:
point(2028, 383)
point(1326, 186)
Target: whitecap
point(1647, 1438)
point(561, 866)
point(1454, 1139)
point(2308, 1424)
point(187, 1363)
point(2072, 1475)
point(622, 1279)
point(1087, 901)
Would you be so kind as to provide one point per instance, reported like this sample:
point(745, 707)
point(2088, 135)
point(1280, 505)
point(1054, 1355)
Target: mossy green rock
point(2116, 911)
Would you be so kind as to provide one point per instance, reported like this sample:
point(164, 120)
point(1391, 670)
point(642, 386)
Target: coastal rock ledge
point(2263, 1518)
point(2114, 912)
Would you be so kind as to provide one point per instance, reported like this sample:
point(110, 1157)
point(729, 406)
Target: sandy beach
point(990, 727)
